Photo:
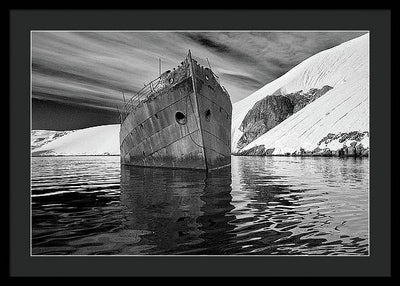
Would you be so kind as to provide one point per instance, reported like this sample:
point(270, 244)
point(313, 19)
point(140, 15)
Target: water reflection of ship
point(186, 212)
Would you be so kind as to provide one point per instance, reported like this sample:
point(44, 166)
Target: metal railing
point(156, 86)
point(145, 93)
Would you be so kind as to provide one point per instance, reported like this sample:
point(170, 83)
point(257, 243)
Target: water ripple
point(261, 206)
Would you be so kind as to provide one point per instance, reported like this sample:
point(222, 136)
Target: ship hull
point(186, 127)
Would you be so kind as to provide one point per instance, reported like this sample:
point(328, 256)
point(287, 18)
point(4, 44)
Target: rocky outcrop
point(265, 114)
point(346, 144)
point(272, 110)
point(257, 151)
point(352, 143)
point(342, 137)
point(300, 99)
point(42, 137)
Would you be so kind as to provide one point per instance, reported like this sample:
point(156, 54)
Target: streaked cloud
point(94, 68)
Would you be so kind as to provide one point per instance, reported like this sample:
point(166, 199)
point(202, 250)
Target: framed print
point(184, 147)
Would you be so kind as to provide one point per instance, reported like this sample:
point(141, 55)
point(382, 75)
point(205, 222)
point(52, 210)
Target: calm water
point(261, 206)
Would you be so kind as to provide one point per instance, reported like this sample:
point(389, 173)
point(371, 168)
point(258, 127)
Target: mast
point(208, 63)
point(123, 96)
point(192, 72)
point(197, 104)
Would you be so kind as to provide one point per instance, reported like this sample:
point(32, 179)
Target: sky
point(79, 77)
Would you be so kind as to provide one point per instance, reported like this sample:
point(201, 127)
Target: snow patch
point(99, 140)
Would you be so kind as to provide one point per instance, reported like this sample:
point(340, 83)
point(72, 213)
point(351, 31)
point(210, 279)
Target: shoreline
point(233, 154)
point(77, 155)
point(302, 156)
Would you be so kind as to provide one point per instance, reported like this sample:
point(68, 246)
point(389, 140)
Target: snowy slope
point(344, 108)
point(42, 137)
point(99, 140)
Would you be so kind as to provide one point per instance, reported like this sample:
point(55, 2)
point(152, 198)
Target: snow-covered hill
point(42, 137)
point(340, 116)
point(99, 140)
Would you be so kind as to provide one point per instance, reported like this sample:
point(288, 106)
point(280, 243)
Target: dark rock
point(316, 151)
point(353, 135)
point(265, 114)
point(327, 139)
point(359, 148)
point(258, 150)
point(272, 110)
point(343, 137)
point(351, 151)
point(270, 151)
point(326, 152)
point(300, 99)
point(361, 151)
point(355, 148)
point(322, 152)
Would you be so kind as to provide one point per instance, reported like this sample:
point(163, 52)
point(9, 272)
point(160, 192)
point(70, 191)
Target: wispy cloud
point(93, 68)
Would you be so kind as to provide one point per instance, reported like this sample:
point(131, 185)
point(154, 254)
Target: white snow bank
point(42, 137)
point(99, 140)
point(344, 108)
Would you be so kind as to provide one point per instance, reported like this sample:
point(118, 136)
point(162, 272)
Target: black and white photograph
point(200, 143)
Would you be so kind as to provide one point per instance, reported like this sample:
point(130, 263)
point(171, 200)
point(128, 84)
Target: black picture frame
point(378, 22)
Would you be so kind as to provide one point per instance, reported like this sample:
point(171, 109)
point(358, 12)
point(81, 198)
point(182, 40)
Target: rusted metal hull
point(187, 125)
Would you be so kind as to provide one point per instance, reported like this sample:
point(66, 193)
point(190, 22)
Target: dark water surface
point(259, 206)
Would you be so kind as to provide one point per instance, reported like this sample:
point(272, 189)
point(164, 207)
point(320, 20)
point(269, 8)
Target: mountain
point(99, 140)
point(320, 107)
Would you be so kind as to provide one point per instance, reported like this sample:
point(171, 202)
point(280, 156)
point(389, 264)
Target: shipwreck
point(182, 119)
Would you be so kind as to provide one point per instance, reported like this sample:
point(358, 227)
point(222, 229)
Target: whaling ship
point(182, 119)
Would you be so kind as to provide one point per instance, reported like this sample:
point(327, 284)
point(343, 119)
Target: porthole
point(180, 117)
point(171, 80)
point(156, 115)
point(208, 114)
